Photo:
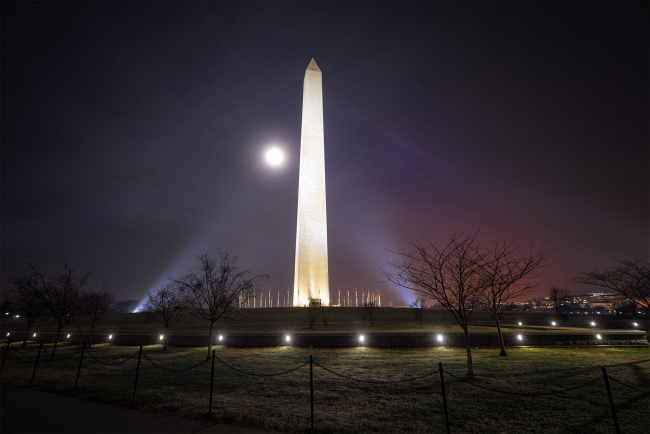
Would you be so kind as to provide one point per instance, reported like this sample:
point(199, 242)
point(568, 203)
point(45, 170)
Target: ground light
point(220, 338)
point(287, 339)
point(162, 337)
point(34, 335)
point(520, 323)
point(636, 324)
point(439, 338)
point(520, 337)
point(553, 323)
point(362, 338)
point(598, 337)
point(68, 337)
point(110, 337)
point(593, 323)
point(8, 333)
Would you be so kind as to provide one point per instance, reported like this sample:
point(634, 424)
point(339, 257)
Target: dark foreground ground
point(24, 410)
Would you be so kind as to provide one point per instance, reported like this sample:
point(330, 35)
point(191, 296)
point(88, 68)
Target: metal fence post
point(137, 372)
point(611, 400)
point(7, 347)
point(311, 390)
point(81, 359)
point(38, 356)
point(444, 395)
point(212, 381)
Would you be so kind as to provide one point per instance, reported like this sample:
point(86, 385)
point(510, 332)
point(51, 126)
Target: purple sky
point(133, 133)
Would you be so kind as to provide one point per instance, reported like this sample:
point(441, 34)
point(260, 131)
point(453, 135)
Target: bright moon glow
point(274, 156)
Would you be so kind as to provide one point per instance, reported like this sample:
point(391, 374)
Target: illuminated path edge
point(618, 338)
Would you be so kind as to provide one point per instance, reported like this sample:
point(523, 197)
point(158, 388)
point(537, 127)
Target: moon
point(274, 156)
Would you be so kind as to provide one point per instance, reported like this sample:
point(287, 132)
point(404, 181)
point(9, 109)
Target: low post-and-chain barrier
point(5, 354)
point(444, 395)
point(140, 353)
point(38, 356)
point(611, 401)
point(137, 372)
point(81, 359)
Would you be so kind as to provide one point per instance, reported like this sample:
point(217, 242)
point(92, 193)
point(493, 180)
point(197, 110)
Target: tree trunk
point(502, 344)
point(29, 324)
point(92, 332)
point(210, 342)
point(56, 341)
point(165, 340)
point(468, 349)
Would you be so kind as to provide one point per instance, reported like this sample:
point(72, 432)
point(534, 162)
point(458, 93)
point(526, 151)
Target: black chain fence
point(472, 383)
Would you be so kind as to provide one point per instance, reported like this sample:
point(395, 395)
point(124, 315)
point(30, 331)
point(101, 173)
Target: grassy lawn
point(361, 389)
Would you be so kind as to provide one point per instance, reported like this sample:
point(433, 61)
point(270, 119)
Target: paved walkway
point(24, 410)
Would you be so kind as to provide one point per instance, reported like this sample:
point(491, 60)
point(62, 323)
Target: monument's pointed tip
point(313, 65)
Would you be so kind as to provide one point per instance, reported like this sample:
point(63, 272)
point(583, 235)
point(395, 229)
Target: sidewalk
point(25, 410)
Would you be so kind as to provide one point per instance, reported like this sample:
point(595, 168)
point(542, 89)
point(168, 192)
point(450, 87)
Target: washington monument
point(312, 277)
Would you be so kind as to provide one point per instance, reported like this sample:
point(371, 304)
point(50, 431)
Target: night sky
point(133, 133)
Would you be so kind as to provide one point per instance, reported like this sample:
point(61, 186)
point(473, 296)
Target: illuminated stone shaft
point(311, 277)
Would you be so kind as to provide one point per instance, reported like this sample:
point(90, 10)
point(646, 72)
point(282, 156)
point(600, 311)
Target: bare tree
point(630, 278)
point(450, 275)
point(559, 296)
point(60, 295)
point(165, 306)
point(504, 269)
point(93, 304)
point(216, 288)
point(417, 306)
point(25, 301)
